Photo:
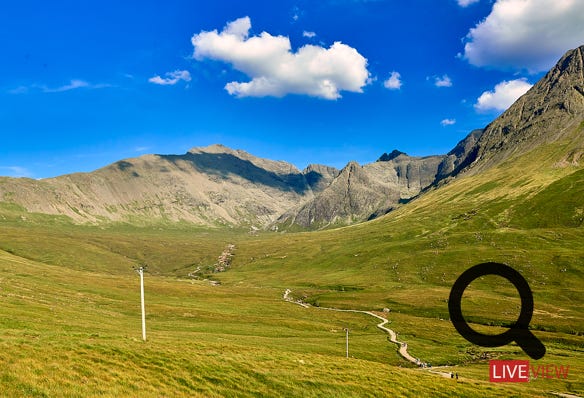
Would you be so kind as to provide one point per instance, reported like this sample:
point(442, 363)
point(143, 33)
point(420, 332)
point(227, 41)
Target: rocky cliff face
point(552, 110)
point(351, 196)
point(319, 176)
point(360, 193)
point(459, 157)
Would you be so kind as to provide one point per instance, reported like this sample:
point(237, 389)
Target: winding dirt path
point(402, 346)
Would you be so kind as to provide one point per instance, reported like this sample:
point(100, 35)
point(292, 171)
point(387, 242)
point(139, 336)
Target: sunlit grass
point(77, 333)
point(70, 314)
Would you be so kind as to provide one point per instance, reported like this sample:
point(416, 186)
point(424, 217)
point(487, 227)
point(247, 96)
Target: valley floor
point(67, 332)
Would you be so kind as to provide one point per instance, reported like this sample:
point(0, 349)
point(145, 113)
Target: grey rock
point(361, 193)
point(550, 111)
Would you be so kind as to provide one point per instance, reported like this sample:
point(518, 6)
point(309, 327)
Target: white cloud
point(443, 81)
point(296, 13)
point(171, 78)
point(73, 85)
point(526, 34)
point(448, 122)
point(19, 90)
point(466, 3)
point(394, 82)
point(277, 71)
point(310, 35)
point(16, 171)
point(504, 94)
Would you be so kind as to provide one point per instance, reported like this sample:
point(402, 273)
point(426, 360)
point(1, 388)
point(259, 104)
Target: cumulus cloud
point(504, 94)
point(466, 3)
point(394, 82)
point(171, 78)
point(275, 70)
point(448, 122)
point(526, 34)
point(310, 35)
point(443, 81)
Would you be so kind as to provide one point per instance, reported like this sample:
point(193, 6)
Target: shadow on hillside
point(224, 164)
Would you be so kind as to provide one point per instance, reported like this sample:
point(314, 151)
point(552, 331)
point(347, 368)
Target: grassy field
point(77, 333)
point(70, 314)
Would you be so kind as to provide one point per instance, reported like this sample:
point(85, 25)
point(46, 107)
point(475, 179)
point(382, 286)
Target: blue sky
point(86, 83)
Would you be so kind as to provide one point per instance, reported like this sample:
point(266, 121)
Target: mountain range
point(219, 186)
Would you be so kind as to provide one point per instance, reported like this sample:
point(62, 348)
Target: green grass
point(76, 333)
point(559, 204)
point(70, 322)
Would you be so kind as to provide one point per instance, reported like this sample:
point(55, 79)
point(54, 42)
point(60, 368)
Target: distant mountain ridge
point(207, 186)
point(360, 193)
point(219, 186)
point(216, 186)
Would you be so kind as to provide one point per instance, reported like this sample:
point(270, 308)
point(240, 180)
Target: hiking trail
point(402, 346)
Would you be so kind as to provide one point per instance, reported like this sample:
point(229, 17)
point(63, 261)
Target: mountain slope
point(550, 111)
point(206, 186)
point(359, 192)
point(524, 208)
point(219, 186)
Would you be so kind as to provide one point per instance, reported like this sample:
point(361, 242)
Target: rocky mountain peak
point(351, 167)
point(550, 111)
point(319, 176)
point(386, 157)
point(214, 148)
point(570, 67)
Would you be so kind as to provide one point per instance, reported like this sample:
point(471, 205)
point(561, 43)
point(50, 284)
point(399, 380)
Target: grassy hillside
point(409, 260)
point(75, 333)
point(70, 326)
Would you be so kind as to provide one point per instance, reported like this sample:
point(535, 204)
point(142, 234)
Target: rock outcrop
point(552, 110)
point(360, 193)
